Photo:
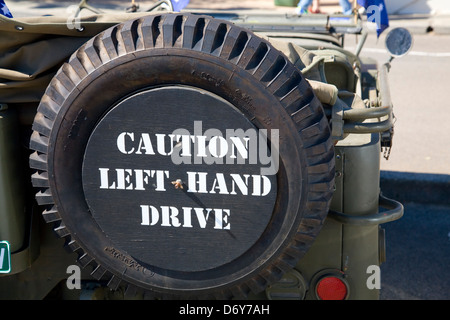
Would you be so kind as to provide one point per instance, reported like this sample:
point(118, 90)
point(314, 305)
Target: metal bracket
point(394, 212)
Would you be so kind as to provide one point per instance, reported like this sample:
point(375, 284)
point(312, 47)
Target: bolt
point(178, 184)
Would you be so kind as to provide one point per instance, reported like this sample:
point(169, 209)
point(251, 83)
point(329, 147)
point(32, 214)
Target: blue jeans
point(345, 4)
point(304, 5)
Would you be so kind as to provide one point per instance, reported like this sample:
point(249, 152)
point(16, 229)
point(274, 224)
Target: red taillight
point(331, 288)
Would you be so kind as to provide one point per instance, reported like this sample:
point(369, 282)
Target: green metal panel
point(360, 250)
point(361, 180)
point(340, 245)
point(325, 253)
point(12, 204)
point(361, 173)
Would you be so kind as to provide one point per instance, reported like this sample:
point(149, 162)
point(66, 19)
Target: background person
point(303, 6)
point(346, 7)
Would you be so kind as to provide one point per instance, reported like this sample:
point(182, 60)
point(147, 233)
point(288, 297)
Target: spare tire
point(144, 160)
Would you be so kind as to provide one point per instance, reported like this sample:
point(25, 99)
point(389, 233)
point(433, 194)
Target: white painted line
point(412, 53)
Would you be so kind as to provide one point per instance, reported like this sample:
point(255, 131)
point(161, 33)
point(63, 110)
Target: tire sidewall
point(114, 81)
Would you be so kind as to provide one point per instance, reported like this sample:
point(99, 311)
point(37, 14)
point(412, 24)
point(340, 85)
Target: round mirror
point(399, 41)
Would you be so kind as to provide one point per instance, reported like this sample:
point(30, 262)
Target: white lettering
point(210, 147)
point(104, 179)
point(161, 144)
point(124, 179)
point(266, 157)
point(168, 216)
point(141, 178)
point(238, 145)
point(246, 309)
point(185, 144)
point(193, 182)
point(197, 182)
point(137, 179)
point(202, 219)
point(126, 143)
point(218, 147)
point(200, 149)
point(145, 144)
point(246, 143)
point(243, 186)
point(221, 216)
point(187, 223)
point(207, 311)
point(121, 142)
point(261, 189)
point(146, 215)
point(160, 179)
point(219, 183)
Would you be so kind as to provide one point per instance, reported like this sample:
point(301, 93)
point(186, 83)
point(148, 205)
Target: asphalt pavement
point(417, 254)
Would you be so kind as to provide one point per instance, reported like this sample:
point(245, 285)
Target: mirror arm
point(361, 42)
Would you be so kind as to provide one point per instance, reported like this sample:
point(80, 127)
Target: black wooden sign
point(173, 177)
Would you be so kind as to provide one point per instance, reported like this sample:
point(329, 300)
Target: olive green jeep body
point(83, 109)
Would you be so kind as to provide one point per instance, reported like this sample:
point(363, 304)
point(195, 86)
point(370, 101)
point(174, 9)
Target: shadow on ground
point(418, 244)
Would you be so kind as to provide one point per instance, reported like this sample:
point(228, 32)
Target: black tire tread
point(222, 39)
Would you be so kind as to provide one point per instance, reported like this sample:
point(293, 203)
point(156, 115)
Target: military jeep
point(192, 155)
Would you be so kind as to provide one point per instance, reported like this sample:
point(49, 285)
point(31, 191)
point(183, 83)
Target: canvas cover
point(32, 49)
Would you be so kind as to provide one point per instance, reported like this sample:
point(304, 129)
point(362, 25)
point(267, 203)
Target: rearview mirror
point(398, 42)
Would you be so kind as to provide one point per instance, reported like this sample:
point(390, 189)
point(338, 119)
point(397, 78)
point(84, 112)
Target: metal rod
point(371, 127)
point(159, 3)
point(370, 113)
point(384, 85)
point(361, 42)
point(394, 212)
